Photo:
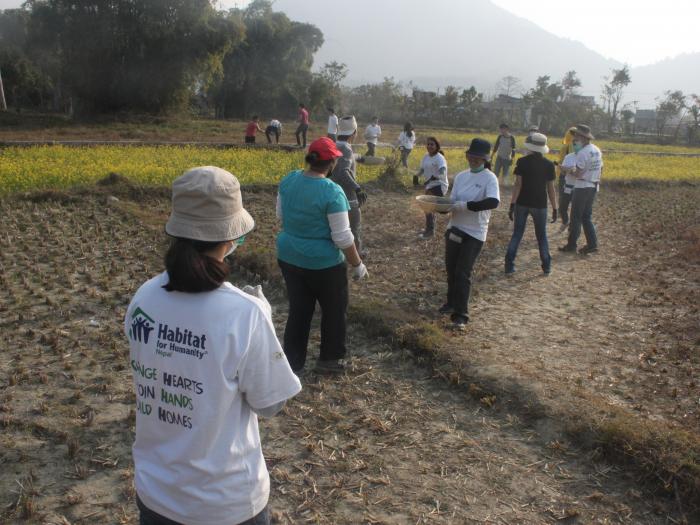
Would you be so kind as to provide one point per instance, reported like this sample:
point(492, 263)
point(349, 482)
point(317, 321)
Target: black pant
point(149, 517)
point(461, 252)
point(370, 149)
point(430, 217)
point(329, 287)
point(249, 140)
point(301, 132)
point(271, 130)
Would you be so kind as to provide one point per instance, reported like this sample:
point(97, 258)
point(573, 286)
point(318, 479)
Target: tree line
point(87, 57)
point(155, 56)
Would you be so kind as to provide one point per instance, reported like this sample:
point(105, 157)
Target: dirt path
point(388, 443)
point(622, 324)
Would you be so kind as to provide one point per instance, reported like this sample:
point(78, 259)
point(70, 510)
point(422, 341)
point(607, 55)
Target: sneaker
point(331, 366)
point(460, 325)
point(567, 248)
point(425, 235)
point(445, 309)
point(547, 271)
point(588, 249)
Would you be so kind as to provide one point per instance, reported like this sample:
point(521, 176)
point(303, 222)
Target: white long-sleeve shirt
point(407, 142)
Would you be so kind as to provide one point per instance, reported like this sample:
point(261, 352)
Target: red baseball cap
point(325, 148)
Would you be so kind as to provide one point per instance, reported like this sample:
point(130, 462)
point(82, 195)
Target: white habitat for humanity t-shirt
point(590, 160)
point(200, 361)
point(473, 187)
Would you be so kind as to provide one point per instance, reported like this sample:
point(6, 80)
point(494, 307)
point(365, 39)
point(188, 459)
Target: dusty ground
point(392, 442)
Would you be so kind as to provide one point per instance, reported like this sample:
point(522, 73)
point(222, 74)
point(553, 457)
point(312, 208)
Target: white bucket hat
point(537, 142)
point(347, 125)
point(208, 206)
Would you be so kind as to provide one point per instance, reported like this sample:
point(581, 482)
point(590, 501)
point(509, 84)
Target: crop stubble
point(390, 443)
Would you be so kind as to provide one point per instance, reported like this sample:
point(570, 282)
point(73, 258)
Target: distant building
point(645, 121)
point(582, 100)
point(504, 108)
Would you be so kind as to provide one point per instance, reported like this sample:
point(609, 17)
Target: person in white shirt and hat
point(345, 175)
point(534, 182)
point(206, 362)
point(587, 172)
point(474, 194)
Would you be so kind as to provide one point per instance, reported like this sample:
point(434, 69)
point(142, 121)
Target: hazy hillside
point(682, 72)
point(467, 42)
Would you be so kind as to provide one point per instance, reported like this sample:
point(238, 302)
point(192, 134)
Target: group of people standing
point(205, 357)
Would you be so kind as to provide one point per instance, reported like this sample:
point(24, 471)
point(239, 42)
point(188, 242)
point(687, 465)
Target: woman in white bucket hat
point(206, 361)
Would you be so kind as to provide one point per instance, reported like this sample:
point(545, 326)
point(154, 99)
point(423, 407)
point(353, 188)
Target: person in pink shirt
point(303, 119)
point(252, 129)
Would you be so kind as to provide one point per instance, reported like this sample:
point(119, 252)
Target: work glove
point(256, 291)
point(459, 206)
point(511, 210)
point(554, 215)
point(361, 197)
point(359, 272)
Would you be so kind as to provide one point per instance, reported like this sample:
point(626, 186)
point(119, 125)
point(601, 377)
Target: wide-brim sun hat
point(207, 205)
point(584, 131)
point(347, 125)
point(479, 148)
point(537, 142)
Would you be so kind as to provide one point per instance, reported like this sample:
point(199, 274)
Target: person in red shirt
point(251, 129)
point(303, 119)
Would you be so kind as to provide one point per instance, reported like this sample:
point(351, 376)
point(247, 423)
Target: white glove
point(459, 206)
point(359, 272)
point(256, 291)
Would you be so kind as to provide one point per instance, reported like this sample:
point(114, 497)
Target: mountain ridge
point(469, 43)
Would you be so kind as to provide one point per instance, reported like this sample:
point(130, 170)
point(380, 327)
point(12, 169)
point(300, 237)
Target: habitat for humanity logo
point(141, 326)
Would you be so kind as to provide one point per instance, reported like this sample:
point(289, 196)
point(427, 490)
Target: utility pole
point(3, 104)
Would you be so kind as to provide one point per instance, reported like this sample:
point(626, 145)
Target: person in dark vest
point(504, 152)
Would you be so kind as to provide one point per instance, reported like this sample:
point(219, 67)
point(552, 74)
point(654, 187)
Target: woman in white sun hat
point(205, 361)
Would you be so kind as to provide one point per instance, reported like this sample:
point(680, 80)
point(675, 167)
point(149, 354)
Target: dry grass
point(420, 431)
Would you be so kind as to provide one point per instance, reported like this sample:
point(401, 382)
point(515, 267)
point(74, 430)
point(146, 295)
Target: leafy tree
point(613, 90)
point(271, 69)
point(545, 98)
point(667, 108)
point(146, 55)
point(385, 99)
point(570, 82)
point(330, 78)
point(694, 111)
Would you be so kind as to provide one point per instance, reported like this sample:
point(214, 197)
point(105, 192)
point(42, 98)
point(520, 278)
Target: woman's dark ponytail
point(321, 166)
point(191, 270)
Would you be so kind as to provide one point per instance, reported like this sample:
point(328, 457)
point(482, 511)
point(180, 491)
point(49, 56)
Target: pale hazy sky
point(635, 32)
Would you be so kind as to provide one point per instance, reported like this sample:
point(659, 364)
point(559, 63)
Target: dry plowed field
point(571, 398)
